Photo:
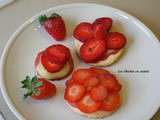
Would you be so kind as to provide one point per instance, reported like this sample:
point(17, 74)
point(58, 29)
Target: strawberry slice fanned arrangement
point(92, 90)
point(95, 43)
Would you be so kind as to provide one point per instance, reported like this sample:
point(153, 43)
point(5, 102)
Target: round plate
point(138, 69)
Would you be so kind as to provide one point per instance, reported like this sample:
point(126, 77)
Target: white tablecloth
point(12, 16)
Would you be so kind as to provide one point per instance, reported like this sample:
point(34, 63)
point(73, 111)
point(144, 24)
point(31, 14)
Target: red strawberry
point(99, 71)
point(93, 50)
point(73, 104)
point(99, 93)
point(74, 92)
point(87, 105)
point(110, 82)
point(99, 31)
point(70, 69)
point(69, 82)
point(80, 75)
point(83, 31)
point(112, 102)
point(105, 21)
point(50, 65)
point(54, 25)
point(115, 40)
point(91, 82)
point(38, 88)
point(58, 53)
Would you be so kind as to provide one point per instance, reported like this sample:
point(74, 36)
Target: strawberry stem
point(31, 84)
point(42, 19)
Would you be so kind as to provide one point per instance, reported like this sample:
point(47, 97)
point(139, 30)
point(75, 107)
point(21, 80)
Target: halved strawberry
point(80, 75)
point(112, 102)
point(115, 40)
point(99, 31)
point(110, 82)
point(100, 71)
point(70, 69)
point(74, 92)
point(105, 21)
point(50, 66)
point(83, 31)
point(91, 82)
point(98, 93)
point(93, 50)
point(58, 53)
point(87, 105)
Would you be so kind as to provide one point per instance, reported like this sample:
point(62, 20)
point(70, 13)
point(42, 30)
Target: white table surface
point(13, 15)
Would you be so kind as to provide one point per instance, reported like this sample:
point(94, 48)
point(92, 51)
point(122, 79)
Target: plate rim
point(11, 40)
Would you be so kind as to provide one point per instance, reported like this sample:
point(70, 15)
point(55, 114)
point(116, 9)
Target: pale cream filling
point(45, 74)
point(108, 61)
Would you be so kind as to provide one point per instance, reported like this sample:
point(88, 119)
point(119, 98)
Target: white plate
point(141, 96)
point(5, 2)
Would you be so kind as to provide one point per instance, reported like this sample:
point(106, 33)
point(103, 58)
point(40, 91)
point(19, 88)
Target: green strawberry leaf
point(38, 84)
point(31, 84)
point(42, 19)
point(27, 94)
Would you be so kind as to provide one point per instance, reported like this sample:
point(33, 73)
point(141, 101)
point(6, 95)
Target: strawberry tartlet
point(96, 45)
point(54, 63)
point(93, 92)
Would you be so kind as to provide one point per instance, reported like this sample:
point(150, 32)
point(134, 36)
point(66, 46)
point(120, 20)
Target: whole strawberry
point(38, 88)
point(54, 25)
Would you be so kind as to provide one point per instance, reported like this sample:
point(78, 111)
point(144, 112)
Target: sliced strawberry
point(91, 82)
point(73, 104)
point(37, 59)
point(99, 93)
point(74, 92)
point(117, 87)
point(100, 71)
point(105, 21)
point(99, 31)
point(115, 40)
point(80, 75)
point(112, 102)
point(50, 66)
point(70, 69)
point(58, 53)
point(110, 82)
point(93, 50)
point(69, 82)
point(87, 105)
point(83, 31)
